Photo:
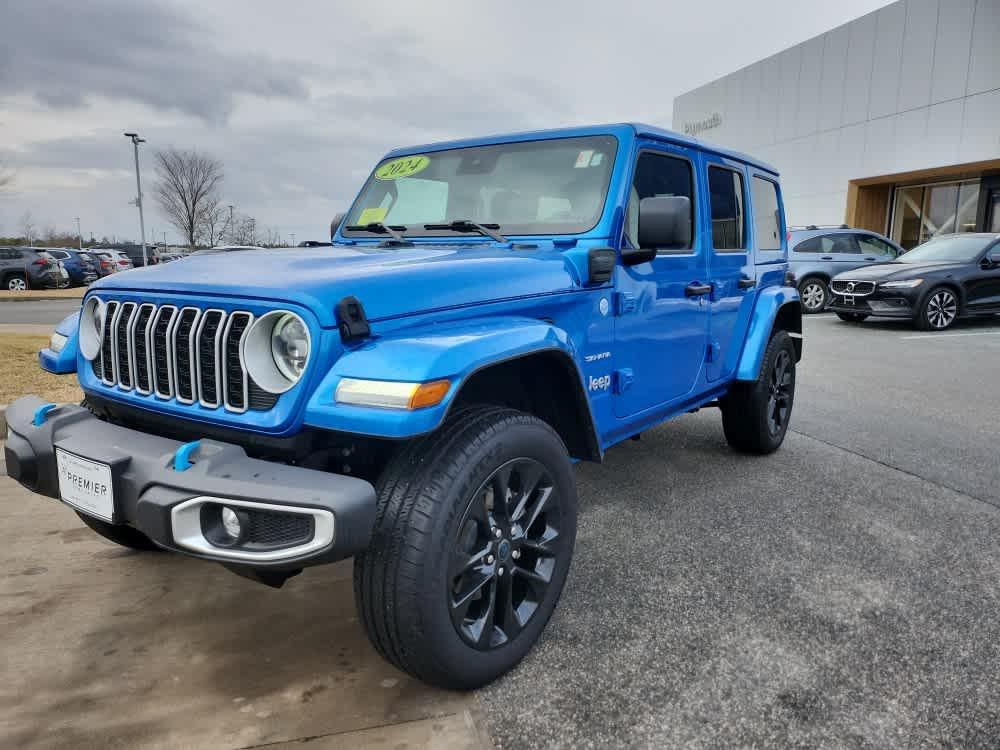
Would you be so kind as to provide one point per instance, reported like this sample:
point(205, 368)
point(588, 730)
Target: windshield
point(539, 187)
point(955, 248)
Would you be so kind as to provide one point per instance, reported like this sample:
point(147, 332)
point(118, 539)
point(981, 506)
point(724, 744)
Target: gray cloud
point(62, 52)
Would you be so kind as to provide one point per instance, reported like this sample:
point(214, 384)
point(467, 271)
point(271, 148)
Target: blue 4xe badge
point(601, 383)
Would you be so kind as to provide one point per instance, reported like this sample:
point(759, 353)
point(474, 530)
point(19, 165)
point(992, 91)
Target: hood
point(390, 282)
point(898, 271)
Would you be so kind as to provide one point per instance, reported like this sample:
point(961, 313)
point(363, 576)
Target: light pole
point(79, 234)
point(136, 140)
point(293, 239)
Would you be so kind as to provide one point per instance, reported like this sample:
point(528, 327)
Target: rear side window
point(829, 244)
point(874, 246)
point(726, 197)
point(766, 216)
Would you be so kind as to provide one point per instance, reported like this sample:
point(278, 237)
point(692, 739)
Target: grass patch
point(20, 373)
point(72, 293)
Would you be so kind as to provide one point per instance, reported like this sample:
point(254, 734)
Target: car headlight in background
point(389, 394)
point(908, 284)
point(91, 328)
point(57, 342)
point(276, 350)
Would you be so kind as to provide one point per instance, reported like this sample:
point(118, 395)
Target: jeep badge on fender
point(414, 397)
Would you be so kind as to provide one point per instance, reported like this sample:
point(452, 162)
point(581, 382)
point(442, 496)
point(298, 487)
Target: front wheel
point(755, 415)
point(852, 317)
point(939, 311)
point(473, 538)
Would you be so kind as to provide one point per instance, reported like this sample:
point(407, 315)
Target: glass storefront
point(923, 211)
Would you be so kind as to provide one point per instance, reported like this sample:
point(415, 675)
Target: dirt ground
point(20, 373)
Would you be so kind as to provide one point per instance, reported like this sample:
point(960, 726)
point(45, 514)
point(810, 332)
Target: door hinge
point(623, 379)
point(624, 303)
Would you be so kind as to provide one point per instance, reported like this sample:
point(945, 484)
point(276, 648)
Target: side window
point(811, 245)
point(658, 175)
point(874, 246)
point(766, 216)
point(725, 188)
point(841, 244)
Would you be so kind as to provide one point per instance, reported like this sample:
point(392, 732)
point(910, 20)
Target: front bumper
point(885, 304)
point(165, 503)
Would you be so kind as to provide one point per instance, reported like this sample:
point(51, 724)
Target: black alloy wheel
point(505, 554)
point(780, 386)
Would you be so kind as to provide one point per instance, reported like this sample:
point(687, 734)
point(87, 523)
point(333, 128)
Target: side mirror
point(664, 221)
point(992, 259)
point(335, 224)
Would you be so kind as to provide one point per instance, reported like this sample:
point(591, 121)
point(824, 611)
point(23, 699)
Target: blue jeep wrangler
point(490, 311)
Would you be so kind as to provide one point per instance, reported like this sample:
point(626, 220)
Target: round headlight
point(276, 350)
point(91, 328)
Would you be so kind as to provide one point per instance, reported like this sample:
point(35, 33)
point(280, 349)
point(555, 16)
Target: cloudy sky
point(299, 99)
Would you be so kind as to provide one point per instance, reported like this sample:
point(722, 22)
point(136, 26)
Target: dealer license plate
point(86, 485)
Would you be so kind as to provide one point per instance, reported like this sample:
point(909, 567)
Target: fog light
point(232, 523)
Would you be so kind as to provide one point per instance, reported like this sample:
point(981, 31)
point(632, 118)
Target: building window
point(766, 216)
point(921, 212)
point(725, 188)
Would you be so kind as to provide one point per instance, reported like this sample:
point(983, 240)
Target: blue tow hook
point(182, 458)
point(41, 413)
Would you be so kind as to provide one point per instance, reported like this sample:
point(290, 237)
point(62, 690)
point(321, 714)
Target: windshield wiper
point(396, 232)
point(464, 225)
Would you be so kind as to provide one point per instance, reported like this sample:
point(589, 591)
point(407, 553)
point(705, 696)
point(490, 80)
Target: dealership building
point(890, 122)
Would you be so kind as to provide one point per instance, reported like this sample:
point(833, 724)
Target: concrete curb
point(46, 298)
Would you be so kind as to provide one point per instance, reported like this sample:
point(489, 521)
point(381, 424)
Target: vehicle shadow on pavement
point(808, 598)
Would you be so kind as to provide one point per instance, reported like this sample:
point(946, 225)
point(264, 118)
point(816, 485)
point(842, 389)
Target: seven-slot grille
point(185, 353)
point(857, 288)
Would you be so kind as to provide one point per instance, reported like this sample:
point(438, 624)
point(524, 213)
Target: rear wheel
point(16, 282)
point(939, 311)
point(125, 536)
point(755, 415)
point(472, 543)
point(815, 295)
point(852, 317)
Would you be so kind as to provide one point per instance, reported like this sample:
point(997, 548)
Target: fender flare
point(772, 303)
point(454, 351)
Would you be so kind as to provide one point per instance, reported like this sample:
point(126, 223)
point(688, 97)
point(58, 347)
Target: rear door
point(731, 265)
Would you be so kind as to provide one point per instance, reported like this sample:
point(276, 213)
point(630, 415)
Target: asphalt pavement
point(843, 592)
point(37, 312)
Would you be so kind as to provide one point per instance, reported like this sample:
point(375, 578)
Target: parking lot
point(840, 593)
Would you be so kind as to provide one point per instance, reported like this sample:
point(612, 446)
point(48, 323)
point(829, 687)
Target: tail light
point(43, 262)
point(105, 264)
point(123, 262)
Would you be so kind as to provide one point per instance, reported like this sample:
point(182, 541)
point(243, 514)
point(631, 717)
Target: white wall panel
point(911, 130)
point(807, 115)
point(889, 26)
point(770, 98)
point(918, 54)
point(944, 123)
point(751, 106)
point(981, 128)
point(789, 63)
point(880, 146)
point(822, 174)
point(851, 154)
point(832, 78)
point(984, 67)
point(951, 50)
point(860, 50)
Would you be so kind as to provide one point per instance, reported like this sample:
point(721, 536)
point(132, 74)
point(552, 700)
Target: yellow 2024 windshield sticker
point(372, 215)
point(405, 167)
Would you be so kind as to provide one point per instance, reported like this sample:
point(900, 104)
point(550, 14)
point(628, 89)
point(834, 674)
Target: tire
point(755, 415)
point(433, 539)
point(815, 295)
point(124, 536)
point(939, 309)
point(852, 317)
point(16, 282)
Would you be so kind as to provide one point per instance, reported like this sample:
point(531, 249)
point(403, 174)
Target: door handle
point(746, 283)
point(869, 258)
point(697, 290)
point(826, 257)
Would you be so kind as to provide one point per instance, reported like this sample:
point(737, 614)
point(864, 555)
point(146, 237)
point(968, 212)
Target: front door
point(661, 328)
point(982, 290)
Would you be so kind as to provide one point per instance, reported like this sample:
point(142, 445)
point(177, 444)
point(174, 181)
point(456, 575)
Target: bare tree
point(243, 230)
point(27, 226)
point(187, 189)
point(212, 224)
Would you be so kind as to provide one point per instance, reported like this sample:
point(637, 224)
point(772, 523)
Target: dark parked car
point(817, 254)
point(134, 253)
point(949, 277)
point(81, 267)
point(103, 263)
point(24, 268)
